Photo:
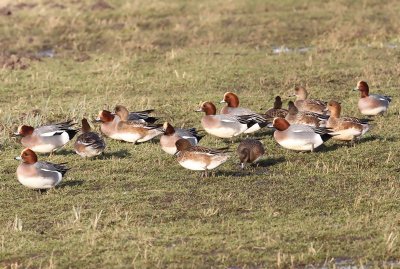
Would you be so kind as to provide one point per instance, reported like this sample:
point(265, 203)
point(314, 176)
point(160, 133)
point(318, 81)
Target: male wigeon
point(48, 138)
point(89, 144)
point(299, 137)
point(232, 108)
point(371, 104)
point(250, 151)
point(122, 129)
point(199, 158)
point(304, 104)
point(276, 111)
point(225, 125)
point(38, 175)
point(295, 116)
point(171, 135)
point(142, 116)
point(344, 128)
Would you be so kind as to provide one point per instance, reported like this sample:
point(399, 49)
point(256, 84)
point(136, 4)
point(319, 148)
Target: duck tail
point(71, 133)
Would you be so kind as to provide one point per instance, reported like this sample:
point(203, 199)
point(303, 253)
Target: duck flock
point(304, 126)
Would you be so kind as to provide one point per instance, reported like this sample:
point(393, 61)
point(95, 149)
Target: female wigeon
point(38, 175)
point(46, 139)
point(232, 108)
point(345, 128)
point(295, 116)
point(199, 158)
point(122, 129)
point(276, 111)
point(89, 144)
point(171, 135)
point(371, 104)
point(250, 151)
point(299, 137)
point(225, 125)
point(304, 104)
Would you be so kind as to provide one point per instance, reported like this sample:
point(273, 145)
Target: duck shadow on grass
point(344, 144)
point(260, 168)
point(70, 183)
point(122, 153)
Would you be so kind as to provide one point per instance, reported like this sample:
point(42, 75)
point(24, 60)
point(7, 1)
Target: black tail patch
point(71, 133)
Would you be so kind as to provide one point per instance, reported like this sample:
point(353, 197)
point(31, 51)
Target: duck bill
point(97, 120)
point(222, 102)
point(18, 158)
point(355, 89)
point(16, 135)
point(199, 110)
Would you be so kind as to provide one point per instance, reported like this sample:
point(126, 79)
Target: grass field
point(137, 207)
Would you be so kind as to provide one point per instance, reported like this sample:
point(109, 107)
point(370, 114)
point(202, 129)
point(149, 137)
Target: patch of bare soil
point(101, 5)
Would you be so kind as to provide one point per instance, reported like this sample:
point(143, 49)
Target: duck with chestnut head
point(371, 104)
point(48, 138)
point(226, 125)
point(35, 174)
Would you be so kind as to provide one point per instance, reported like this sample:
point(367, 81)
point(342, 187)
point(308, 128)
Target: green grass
point(138, 207)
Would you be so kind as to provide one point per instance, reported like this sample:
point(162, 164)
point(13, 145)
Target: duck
point(89, 144)
point(371, 104)
point(295, 116)
point(199, 158)
point(122, 129)
point(48, 138)
point(250, 151)
point(345, 128)
point(38, 175)
point(142, 116)
point(304, 104)
point(299, 137)
point(232, 108)
point(226, 125)
point(276, 111)
point(171, 135)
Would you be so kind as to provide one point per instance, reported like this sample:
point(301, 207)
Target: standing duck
point(89, 144)
point(38, 175)
point(199, 158)
point(276, 111)
point(345, 128)
point(232, 108)
point(250, 151)
point(226, 125)
point(304, 104)
point(171, 135)
point(299, 137)
point(295, 116)
point(48, 138)
point(371, 104)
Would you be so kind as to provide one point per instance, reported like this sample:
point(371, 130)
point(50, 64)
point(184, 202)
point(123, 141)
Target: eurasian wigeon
point(232, 108)
point(250, 151)
point(38, 175)
point(276, 111)
point(199, 158)
point(295, 116)
point(299, 137)
point(371, 104)
point(89, 144)
point(225, 125)
point(142, 116)
point(48, 138)
point(171, 135)
point(129, 131)
point(345, 128)
point(304, 104)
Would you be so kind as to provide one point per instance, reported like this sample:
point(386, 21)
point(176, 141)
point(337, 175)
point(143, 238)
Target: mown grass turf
point(137, 207)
